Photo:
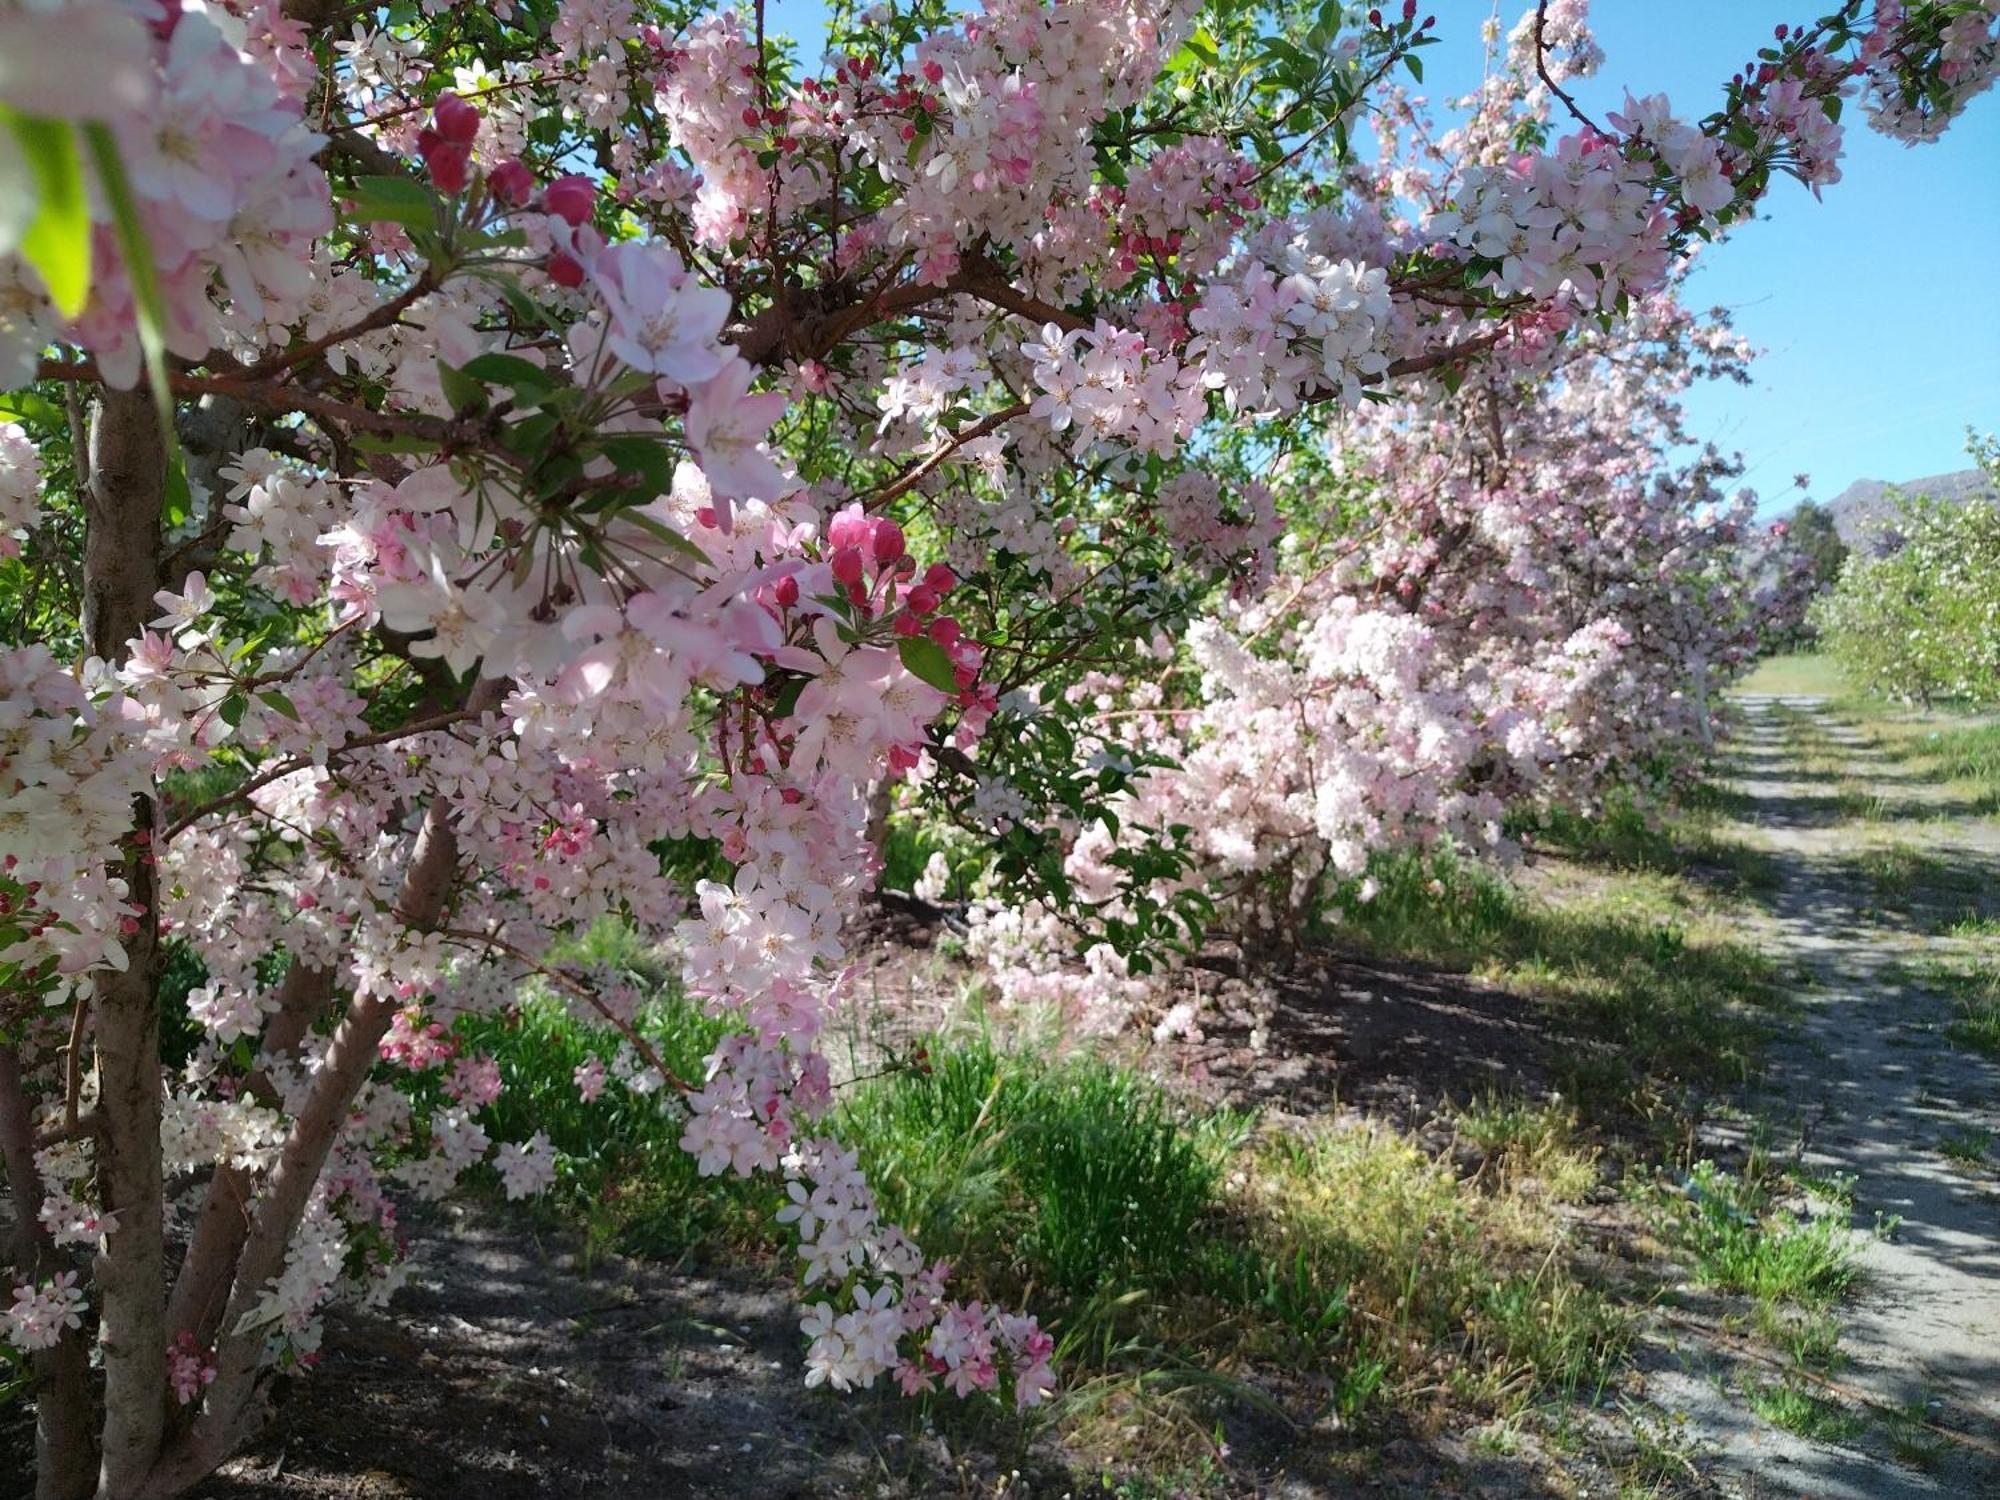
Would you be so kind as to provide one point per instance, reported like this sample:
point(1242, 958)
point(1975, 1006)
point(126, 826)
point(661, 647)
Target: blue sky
point(1878, 307)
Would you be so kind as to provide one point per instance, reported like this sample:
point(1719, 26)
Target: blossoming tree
point(470, 470)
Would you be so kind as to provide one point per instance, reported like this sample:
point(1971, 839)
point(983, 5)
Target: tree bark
point(268, 1228)
point(122, 505)
point(65, 1446)
point(202, 1287)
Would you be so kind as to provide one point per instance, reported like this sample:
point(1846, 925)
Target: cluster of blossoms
point(20, 487)
point(545, 545)
point(39, 1315)
point(69, 768)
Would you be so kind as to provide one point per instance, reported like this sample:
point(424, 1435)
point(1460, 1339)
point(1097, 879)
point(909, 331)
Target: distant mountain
point(1860, 510)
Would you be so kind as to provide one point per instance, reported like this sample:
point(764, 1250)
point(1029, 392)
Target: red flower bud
point(944, 631)
point(456, 121)
point(571, 198)
point(888, 542)
point(847, 566)
point(940, 579)
point(449, 164)
point(565, 269)
point(787, 591)
point(922, 600)
point(512, 183)
point(907, 624)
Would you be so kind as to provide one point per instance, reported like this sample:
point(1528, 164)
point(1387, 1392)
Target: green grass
point(1901, 873)
point(1737, 1239)
point(1186, 1263)
point(1804, 673)
point(1803, 1414)
point(1641, 976)
point(1686, 837)
point(1968, 1146)
point(1973, 984)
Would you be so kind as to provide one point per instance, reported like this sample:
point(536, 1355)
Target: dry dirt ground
point(1866, 1085)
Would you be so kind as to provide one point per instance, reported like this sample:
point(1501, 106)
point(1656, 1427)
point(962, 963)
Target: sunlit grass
point(1802, 674)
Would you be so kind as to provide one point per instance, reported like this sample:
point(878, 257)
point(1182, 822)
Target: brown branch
point(388, 313)
point(1542, 70)
point(916, 473)
point(421, 903)
point(279, 396)
point(123, 511)
point(285, 768)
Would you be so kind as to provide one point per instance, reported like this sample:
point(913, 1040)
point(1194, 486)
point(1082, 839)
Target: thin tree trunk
point(122, 543)
point(65, 1446)
point(202, 1288)
point(230, 1401)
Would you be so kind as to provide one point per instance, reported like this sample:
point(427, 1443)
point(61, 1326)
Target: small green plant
point(1968, 1146)
point(1531, 1141)
point(1803, 1414)
point(1737, 1240)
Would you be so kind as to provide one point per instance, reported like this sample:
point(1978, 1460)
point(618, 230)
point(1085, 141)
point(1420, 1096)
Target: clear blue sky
point(1878, 307)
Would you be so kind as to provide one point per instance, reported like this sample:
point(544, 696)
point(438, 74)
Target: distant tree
point(1817, 540)
point(1923, 622)
point(1816, 554)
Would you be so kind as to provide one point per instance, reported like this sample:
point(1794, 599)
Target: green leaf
point(926, 659)
point(178, 501)
point(277, 701)
point(644, 457)
point(233, 708)
point(662, 532)
point(522, 376)
point(395, 200)
point(460, 389)
point(788, 697)
point(56, 241)
point(1415, 65)
point(26, 406)
point(149, 306)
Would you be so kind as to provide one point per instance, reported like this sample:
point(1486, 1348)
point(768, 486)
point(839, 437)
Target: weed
point(1531, 1142)
point(1967, 1145)
point(1738, 1241)
point(1803, 1414)
point(1656, 995)
point(1974, 985)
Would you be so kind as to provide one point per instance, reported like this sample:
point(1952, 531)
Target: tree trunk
point(65, 1447)
point(123, 503)
point(202, 1288)
point(267, 1229)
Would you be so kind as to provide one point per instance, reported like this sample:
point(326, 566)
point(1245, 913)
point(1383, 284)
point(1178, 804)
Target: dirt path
point(1866, 1084)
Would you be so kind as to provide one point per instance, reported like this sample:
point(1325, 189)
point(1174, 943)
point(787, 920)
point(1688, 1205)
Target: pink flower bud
point(851, 528)
point(888, 542)
point(847, 566)
point(571, 198)
point(940, 579)
point(456, 121)
point(512, 183)
point(565, 269)
point(787, 591)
